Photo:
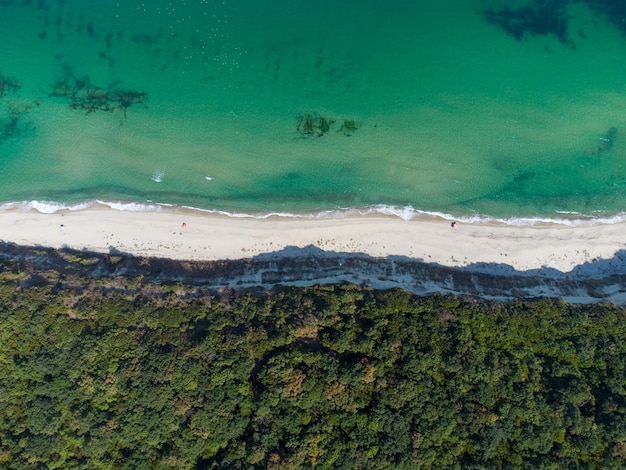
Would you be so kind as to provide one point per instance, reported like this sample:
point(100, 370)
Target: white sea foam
point(134, 206)
point(409, 213)
point(45, 207)
point(406, 213)
point(157, 176)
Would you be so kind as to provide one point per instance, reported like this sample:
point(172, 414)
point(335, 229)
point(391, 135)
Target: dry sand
point(213, 237)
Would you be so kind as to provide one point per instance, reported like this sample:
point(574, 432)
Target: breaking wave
point(407, 213)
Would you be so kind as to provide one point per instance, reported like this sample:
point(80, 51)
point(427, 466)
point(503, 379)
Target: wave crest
point(406, 213)
point(45, 207)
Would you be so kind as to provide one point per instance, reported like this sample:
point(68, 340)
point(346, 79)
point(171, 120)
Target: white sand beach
point(212, 237)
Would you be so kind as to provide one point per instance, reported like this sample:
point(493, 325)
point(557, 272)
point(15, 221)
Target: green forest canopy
point(117, 373)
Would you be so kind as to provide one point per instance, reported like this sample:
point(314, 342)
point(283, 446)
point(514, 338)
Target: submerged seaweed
point(16, 122)
point(315, 125)
point(85, 95)
point(607, 140)
point(546, 17)
point(8, 85)
point(13, 121)
point(540, 18)
point(349, 127)
point(615, 11)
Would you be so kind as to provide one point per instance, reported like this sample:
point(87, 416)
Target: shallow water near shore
point(248, 107)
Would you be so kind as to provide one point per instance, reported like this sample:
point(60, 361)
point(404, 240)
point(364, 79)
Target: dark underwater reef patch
point(13, 114)
point(16, 121)
point(539, 18)
point(549, 17)
point(84, 95)
point(607, 140)
point(614, 10)
point(314, 125)
point(8, 85)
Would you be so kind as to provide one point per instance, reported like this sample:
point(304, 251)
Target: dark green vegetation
point(116, 372)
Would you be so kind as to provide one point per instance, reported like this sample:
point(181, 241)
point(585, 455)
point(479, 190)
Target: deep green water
point(445, 112)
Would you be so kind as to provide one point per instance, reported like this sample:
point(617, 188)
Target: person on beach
point(184, 225)
point(453, 224)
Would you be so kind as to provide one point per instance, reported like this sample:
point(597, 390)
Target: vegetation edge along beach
point(109, 367)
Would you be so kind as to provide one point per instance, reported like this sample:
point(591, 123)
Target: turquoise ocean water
point(291, 106)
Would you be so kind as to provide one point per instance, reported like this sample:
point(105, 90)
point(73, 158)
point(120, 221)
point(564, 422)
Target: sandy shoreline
point(214, 237)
